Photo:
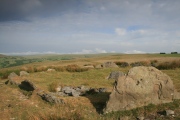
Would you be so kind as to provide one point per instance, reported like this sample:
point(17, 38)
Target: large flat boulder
point(140, 87)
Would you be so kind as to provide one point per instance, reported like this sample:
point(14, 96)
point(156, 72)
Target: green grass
point(175, 76)
point(92, 78)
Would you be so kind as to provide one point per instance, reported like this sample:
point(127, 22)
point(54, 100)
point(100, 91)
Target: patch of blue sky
point(134, 27)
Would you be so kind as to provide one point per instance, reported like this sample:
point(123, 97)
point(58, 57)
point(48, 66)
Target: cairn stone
point(13, 79)
point(140, 87)
point(24, 73)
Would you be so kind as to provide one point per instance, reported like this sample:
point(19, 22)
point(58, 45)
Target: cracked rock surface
point(140, 87)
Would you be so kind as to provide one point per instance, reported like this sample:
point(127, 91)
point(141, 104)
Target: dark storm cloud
point(19, 10)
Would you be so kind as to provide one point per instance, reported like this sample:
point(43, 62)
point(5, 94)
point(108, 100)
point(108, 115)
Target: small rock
point(51, 70)
point(23, 73)
point(67, 90)
point(115, 75)
point(102, 90)
point(140, 118)
point(58, 89)
point(107, 65)
point(9, 105)
point(169, 112)
point(51, 98)
point(61, 94)
point(84, 88)
point(76, 93)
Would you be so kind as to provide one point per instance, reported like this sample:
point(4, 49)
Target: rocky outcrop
point(115, 75)
point(13, 79)
point(23, 73)
point(140, 87)
point(50, 97)
point(107, 65)
point(27, 85)
point(79, 91)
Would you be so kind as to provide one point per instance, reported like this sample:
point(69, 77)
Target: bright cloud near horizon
point(89, 26)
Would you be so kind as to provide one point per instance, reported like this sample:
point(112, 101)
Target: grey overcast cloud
point(89, 26)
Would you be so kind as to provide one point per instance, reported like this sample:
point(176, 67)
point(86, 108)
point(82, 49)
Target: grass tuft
point(169, 65)
point(121, 64)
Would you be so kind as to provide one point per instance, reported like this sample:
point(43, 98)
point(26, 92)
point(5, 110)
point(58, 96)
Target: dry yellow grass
point(13, 106)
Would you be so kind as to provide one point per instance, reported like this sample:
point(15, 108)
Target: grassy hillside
point(20, 104)
point(11, 61)
point(1, 55)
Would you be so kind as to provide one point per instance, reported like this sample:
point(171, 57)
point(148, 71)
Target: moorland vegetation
point(72, 70)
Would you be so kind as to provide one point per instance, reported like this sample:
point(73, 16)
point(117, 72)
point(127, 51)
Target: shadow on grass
point(99, 100)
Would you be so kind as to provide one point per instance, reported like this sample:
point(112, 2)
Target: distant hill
point(1, 55)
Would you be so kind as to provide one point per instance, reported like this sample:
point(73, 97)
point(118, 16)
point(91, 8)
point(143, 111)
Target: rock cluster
point(50, 97)
point(140, 87)
point(79, 91)
point(53, 97)
point(29, 86)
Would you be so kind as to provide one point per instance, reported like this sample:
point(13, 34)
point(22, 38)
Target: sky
point(89, 26)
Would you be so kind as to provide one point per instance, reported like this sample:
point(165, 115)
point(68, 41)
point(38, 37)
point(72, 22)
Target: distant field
point(11, 61)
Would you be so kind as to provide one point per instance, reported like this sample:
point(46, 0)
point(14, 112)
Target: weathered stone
point(27, 85)
point(51, 70)
point(12, 75)
point(58, 89)
point(115, 75)
point(68, 90)
point(76, 93)
point(140, 118)
point(61, 94)
point(13, 79)
point(169, 112)
point(84, 88)
point(107, 65)
point(50, 97)
point(23, 73)
point(141, 86)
